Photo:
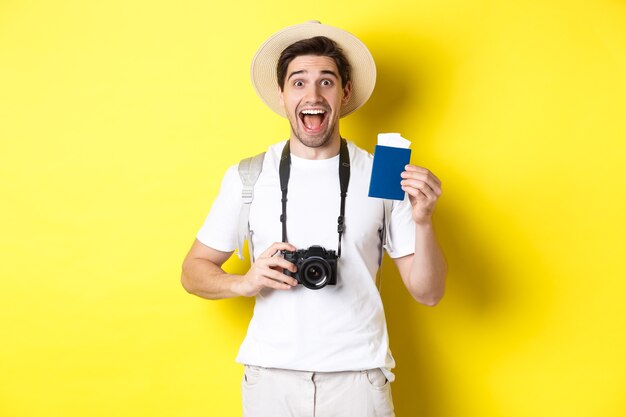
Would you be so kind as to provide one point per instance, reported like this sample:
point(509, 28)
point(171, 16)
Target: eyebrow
point(327, 72)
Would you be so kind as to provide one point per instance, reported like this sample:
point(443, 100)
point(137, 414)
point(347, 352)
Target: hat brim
point(263, 67)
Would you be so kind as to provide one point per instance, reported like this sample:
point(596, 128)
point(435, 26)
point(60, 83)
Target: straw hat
point(263, 68)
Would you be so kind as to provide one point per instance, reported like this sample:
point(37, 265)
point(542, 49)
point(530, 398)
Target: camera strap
point(284, 170)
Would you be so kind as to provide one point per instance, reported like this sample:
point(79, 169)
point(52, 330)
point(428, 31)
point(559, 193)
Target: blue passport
point(389, 163)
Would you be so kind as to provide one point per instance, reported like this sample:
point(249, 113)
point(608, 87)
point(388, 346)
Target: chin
point(315, 141)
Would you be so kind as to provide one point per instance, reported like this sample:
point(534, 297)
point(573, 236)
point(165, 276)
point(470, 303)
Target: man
point(318, 352)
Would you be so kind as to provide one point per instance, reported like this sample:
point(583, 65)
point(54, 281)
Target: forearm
point(207, 280)
point(426, 278)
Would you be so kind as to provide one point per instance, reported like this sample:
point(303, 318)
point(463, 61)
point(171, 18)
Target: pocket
point(377, 378)
point(250, 391)
point(251, 375)
point(380, 390)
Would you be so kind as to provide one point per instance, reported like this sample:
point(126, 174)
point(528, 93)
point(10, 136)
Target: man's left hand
point(424, 189)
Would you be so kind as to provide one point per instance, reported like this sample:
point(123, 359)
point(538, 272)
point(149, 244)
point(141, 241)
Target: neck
point(325, 151)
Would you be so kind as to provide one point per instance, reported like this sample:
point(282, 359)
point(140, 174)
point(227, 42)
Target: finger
point(426, 179)
point(278, 276)
point(420, 186)
point(276, 262)
point(280, 263)
point(262, 276)
point(415, 178)
point(414, 193)
point(275, 248)
point(421, 173)
point(277, 285)
point(422, 170)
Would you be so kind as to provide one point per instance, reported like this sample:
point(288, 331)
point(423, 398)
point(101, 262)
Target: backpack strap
point(249, 171)
point(385, 242)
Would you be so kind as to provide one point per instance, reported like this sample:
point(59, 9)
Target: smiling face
point(313, 96)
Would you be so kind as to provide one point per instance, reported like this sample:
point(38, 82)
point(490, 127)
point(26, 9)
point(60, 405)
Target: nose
point(312, 93)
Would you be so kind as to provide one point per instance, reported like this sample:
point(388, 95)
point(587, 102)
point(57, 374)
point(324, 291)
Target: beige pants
point(270, 392)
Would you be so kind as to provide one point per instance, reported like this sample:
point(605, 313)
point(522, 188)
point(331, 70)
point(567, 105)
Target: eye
point(326, 83)
point(298, 83)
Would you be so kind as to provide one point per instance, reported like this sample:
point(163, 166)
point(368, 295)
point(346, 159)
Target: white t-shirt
point(339, 327)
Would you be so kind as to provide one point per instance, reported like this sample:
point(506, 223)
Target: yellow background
point(118, 119)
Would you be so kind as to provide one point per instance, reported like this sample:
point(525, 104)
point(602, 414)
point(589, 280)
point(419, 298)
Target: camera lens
point(315, 273)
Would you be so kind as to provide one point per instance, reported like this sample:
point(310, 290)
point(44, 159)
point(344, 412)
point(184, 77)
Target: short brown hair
point(318, 45)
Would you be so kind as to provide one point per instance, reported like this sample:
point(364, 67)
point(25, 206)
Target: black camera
point(317, 267)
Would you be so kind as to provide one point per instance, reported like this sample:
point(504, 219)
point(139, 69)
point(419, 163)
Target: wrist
point(424, 223)
point(235, 285)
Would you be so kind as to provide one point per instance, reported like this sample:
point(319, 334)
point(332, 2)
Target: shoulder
point(359, 158)
point(272, 155)
point(232, 179)
point(277, 148)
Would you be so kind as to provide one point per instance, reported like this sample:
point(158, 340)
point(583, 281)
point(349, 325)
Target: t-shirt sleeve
point(220, 227)
point(401, 229)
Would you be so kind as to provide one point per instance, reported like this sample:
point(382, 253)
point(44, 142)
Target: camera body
point(317, 267)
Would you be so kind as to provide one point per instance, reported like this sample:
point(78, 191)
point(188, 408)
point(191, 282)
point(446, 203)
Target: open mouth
point(313, 119)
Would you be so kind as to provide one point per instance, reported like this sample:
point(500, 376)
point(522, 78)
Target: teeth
point(313, 112)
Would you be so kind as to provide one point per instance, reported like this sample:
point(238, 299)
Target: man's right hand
point(267, 272)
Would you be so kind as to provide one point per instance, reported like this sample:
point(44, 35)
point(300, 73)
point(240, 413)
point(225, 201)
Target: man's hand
point(424, 189)
point(267, 272)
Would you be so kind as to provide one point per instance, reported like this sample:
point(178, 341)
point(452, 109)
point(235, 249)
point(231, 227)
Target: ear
point(280, 96)
point(347, 93)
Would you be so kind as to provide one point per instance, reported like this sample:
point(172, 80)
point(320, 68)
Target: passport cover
point(389, 163)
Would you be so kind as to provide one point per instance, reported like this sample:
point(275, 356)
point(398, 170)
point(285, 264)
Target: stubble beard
point(314, 141)
point(317, 141)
